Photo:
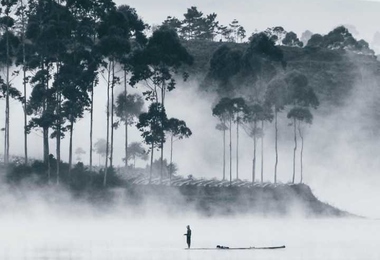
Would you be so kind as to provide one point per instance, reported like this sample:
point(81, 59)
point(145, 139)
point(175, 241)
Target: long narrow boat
point(237, 248)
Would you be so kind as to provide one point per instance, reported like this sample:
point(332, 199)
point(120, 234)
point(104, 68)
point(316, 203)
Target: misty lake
point(162, 238)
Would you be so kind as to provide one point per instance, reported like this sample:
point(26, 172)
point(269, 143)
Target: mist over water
point(159, 236)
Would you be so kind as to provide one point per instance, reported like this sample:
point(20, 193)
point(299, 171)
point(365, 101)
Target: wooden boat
point(238, 248)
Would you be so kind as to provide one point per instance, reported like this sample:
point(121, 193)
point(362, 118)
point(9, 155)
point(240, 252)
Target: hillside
point(332, 73)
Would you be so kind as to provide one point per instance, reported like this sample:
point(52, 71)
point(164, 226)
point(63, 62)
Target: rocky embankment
point(213, 197)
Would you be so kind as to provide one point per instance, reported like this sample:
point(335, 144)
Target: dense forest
point(64, 50)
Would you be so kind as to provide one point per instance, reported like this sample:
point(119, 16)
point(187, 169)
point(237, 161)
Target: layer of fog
point(52, 237)
point(50, 224)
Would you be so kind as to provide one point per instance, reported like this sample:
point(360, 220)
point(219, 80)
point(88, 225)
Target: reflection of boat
point(218, 247)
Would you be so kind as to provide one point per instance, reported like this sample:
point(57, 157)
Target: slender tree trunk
point(6, 132)
point(7, 108)
point(151, 163)
point(25, 118)
point(108, 125)
point(171, 159)
point(58, 138)
point(162, 141)
point(126, 146)
point(92, 117)
point(262, 151)
point(91, 124)
point(224, 154)
point(276, 145)
point(46, 128)
point(295, 149)
point(301, 159)
point(230, 151)
point(126, 123)
point(24, 82)
point(58, 148)
point(45, 135)
point(254, 151)
point(46, 151)
point(112, 111)
point(162, 161)
point(71, 147)
point(237, 149)
point(5, 147)
point(59, 116)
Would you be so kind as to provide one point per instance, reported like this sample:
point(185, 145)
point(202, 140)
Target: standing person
point(188, 236)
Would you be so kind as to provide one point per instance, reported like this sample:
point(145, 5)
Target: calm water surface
point(162, 238)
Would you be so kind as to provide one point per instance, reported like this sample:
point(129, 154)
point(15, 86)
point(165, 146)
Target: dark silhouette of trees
point(235, 32)
point(114, 34)
point(292, 40)
point(157, 64)
point(49, 29)
point(21, 23)
point(8, 46)
point(239, 107)
point(301, 97)
point(234, 26)
point(191, 23)
point(255, 114)
point(225, 63)
point(79, 70)
point(125, 103)
point(299, 115)
point(152, 127)
point(340, 39)
point(128, 108)
point(276, 34)
point(231, 111)
point(208, 27)
point(262, 61)
point(241, 33)
point(173, 23)
point(276, 98)
point(177, 130)
point(226, 110)
point(316, 40)
point(197, 26)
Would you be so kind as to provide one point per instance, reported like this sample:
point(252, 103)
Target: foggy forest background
point(55, 55)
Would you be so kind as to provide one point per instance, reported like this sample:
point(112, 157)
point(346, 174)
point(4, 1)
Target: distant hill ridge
point(331, 73)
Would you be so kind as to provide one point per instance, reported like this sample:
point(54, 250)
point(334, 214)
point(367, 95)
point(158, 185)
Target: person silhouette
point(188, 236)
